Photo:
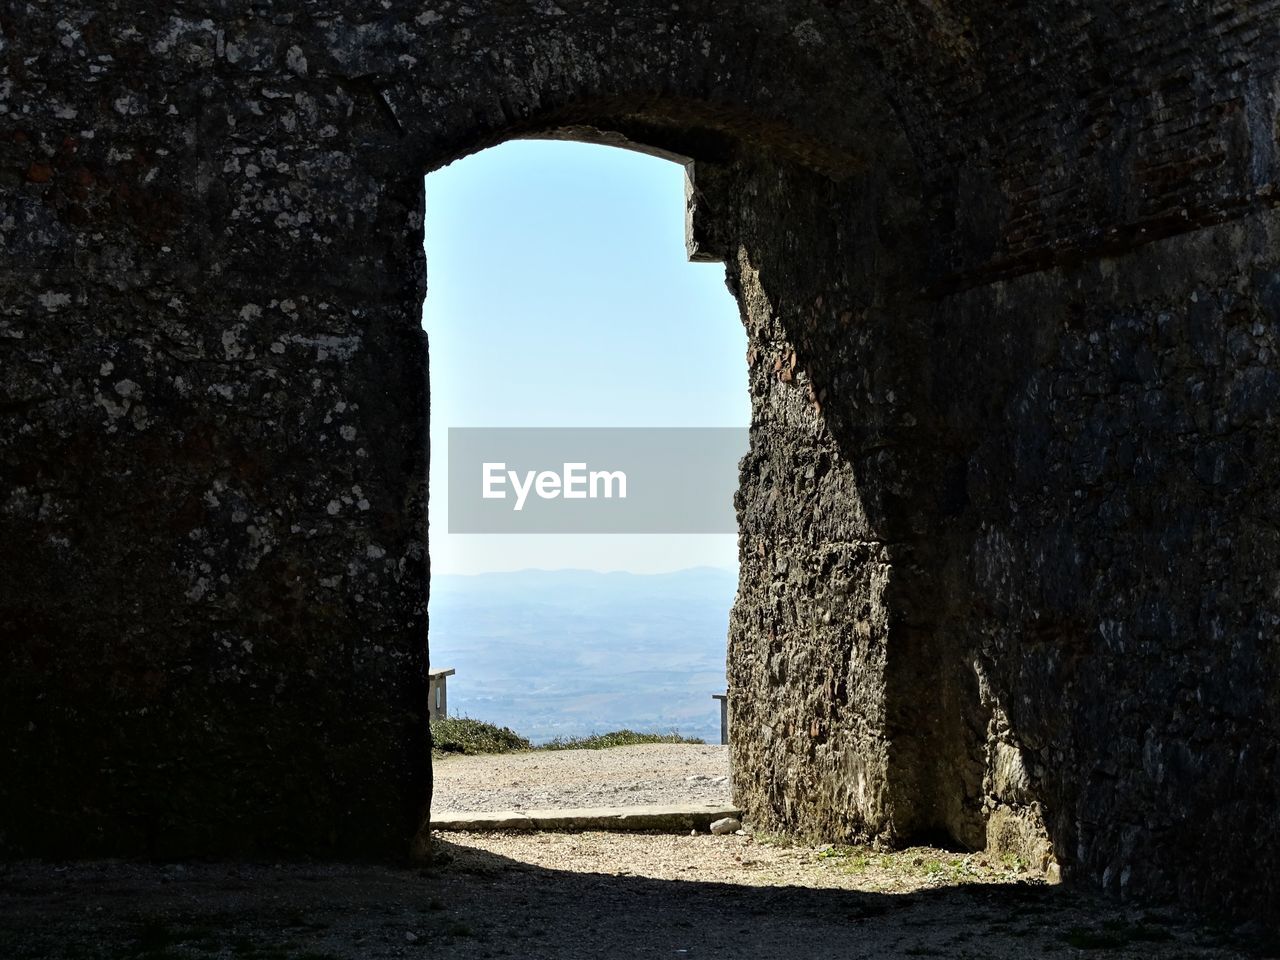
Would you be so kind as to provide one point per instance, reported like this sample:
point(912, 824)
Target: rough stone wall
point(1117, 581)
point(213, 449)
point(1009, 541)
point(856, 707)
point(990, 526)
point(1017, 588)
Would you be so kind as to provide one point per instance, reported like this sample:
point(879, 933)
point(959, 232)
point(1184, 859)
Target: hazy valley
point(572, 652)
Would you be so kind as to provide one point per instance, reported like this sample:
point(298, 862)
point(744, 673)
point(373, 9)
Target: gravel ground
point(574, 896)
point(580, 896)
point(645, 774)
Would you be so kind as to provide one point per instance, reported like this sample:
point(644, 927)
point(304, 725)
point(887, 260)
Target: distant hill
point(571, 652)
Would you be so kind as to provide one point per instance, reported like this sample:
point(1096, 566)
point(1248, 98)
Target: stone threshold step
point(674, 818)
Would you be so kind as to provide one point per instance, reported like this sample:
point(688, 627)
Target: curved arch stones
point(1009, 532)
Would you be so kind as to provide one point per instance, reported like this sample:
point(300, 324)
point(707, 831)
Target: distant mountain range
point(571, 652)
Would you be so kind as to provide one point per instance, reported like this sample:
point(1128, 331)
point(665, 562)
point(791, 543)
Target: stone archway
point(1008, 534)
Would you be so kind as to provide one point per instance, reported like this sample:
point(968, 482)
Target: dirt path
point(659, 773)
point(579, 896)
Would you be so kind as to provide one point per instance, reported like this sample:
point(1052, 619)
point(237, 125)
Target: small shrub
point(618, 738)
point(465, 735)
point(837, 851)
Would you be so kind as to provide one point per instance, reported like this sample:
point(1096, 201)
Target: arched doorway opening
point(561, 297)
point(853, 721)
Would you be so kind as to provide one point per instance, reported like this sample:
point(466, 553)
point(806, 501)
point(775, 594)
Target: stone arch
point(772, 248)
point(1014, 403)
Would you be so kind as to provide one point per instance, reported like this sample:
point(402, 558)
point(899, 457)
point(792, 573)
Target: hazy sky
point(559, 295)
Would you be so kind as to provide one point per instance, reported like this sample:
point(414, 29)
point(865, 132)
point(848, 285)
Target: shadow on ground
point(473, 903)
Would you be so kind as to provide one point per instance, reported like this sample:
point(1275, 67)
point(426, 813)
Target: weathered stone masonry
point(1010, 533)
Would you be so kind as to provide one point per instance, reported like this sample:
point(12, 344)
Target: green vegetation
point(782, 841)
point(465, 735)
point(916, 865)
point(618, 738)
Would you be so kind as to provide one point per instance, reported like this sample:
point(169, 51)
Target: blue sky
point(558, 294)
